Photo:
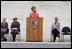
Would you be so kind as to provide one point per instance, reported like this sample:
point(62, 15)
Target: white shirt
point(57, 26)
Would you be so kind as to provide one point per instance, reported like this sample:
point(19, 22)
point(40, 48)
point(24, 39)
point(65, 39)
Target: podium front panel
point(34, 34)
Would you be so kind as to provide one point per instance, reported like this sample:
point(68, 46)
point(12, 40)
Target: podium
point(34, 29)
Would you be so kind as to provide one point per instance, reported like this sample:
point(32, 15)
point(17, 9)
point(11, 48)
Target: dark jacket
point(5, 26)
point(15, 25)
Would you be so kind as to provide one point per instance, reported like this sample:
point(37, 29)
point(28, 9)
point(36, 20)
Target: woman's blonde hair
point(56, 18)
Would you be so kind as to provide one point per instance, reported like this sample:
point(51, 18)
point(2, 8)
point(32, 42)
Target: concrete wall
point(46, 9)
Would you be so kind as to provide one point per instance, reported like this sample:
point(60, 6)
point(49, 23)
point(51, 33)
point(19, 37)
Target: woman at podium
point(34, 13)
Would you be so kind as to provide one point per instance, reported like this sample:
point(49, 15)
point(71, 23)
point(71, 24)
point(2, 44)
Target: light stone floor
point(36, 45)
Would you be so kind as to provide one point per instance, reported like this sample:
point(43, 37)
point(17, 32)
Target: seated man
point(55, 29)
point(4, 29)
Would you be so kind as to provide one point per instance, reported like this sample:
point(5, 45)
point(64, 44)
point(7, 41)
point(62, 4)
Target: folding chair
point(66, 31)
